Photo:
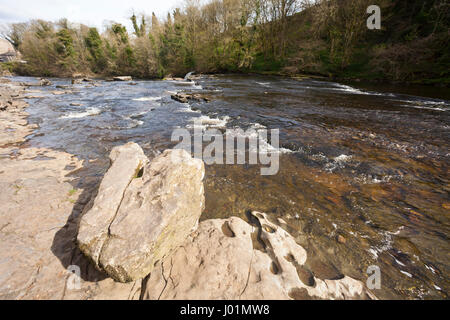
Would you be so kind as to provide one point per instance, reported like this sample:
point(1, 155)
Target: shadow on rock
point(64, 245)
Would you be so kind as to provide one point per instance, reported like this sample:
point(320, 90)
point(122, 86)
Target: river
point(364, 169)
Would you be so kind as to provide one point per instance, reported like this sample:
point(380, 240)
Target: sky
point(89, 12)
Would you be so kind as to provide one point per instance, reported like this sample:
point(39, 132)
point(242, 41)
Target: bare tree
point(14, 33)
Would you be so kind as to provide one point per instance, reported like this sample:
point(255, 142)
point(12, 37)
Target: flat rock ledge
point(142, 212)
point(233, 260)
point(14, 127)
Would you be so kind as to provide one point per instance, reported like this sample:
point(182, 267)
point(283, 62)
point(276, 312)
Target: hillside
point(327, 38)
point(412, 45)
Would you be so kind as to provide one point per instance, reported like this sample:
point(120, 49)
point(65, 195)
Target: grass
point(18, 188)
point(9, 66)
point(71, 193)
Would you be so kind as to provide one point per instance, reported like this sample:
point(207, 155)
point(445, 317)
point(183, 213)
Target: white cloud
point(90, 12)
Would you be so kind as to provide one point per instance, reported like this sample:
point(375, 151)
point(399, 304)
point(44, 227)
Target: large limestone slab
point(126, 161)
point(142, 212)
point(231, 259)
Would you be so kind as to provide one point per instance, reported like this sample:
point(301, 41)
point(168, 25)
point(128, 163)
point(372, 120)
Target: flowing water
point(364, 171)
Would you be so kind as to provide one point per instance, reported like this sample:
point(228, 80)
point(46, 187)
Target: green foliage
point(328, 38)
point(111, 50)
point(43, 29)
point(131, 60)
point(97, 56)
point(14, 34)
point(64, 44)
point(120, 31)
point(9, 66)
point(139, 31)
point(262, 63)
point(173, 52)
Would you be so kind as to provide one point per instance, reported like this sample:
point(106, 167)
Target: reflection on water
point(363, 174)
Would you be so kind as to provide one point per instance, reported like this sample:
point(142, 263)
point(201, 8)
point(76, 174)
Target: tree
point(95, 46)
point(139, 30)
point(14, 33)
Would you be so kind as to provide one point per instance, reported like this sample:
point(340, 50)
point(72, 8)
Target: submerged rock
point(231, 259)
point(142, 212)
point(341, 239)
point(60, 92)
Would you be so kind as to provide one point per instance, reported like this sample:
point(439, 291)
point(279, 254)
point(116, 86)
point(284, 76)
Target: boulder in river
point(170, 78)
point(45, 82)
point(186, 97)
point(123, 78)
point(192, 76)
point(143, 211)
point(188, 75)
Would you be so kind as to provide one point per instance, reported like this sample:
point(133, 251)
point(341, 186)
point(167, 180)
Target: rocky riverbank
point(144, 221)
point(39, 205)
point(55, 217)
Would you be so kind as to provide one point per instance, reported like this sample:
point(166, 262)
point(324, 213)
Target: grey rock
point(143, 211)
point(233, 260)
point(123, 78)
